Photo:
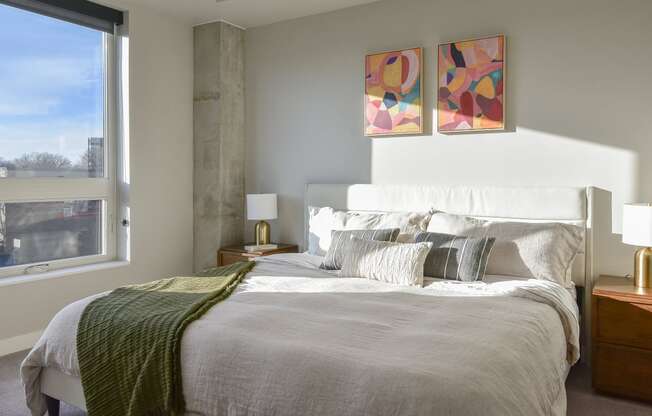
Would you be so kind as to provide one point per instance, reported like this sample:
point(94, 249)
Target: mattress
point(297, 340)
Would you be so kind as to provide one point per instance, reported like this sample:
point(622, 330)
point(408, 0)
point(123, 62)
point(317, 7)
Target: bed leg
point(53, 406)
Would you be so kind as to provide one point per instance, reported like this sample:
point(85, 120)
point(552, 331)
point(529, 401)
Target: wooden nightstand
point(622, 338)
point(233, 254)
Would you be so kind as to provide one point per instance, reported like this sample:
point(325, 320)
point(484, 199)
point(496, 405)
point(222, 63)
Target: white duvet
point(296, 340)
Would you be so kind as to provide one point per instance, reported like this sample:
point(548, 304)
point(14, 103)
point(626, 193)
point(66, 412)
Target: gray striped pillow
point(456, 258)
point(339, 238)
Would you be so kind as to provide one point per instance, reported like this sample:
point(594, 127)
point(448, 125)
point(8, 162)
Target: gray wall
point(578, 102)
point(219, 137)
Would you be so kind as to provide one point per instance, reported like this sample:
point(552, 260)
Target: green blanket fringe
point(129, 341)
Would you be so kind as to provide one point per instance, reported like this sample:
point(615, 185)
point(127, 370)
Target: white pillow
point(396, 263)
point(321, 224)
point(323, 221)
point(410, 223)
point(543, 251)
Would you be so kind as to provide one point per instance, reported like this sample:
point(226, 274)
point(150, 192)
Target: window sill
point(55, 274)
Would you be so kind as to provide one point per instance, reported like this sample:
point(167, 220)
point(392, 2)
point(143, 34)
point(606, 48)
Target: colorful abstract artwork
point(471, 80)
point(393, 93)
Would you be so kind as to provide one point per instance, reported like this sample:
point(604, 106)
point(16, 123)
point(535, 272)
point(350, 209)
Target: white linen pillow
point(323, 221)
point(543, 251)
point(397, 263)
point(339, 238)
point(410, 223)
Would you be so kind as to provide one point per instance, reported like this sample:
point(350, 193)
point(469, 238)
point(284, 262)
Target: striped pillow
point(456, 258)
point(336, 251)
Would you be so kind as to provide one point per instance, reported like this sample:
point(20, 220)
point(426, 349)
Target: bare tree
point(42, 161)
point(7, 164)
point(83, 160)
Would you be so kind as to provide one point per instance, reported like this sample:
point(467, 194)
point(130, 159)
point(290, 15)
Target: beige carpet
point(581, 399)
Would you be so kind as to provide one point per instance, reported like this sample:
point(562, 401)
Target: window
point(57, 136)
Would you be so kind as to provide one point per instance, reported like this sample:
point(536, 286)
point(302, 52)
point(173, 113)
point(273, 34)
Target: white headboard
point(578, 206)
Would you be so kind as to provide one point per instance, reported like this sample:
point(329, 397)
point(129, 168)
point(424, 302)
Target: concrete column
point(219, 140)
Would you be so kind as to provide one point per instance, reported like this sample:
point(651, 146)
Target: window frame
point(44, 189)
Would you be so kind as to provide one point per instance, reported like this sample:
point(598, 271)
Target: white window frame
point(68, 189)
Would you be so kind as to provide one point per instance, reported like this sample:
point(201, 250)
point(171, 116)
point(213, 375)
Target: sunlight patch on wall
point(526, 158)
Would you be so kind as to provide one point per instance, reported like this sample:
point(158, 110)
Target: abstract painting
point(393, 93)
point(471, 83)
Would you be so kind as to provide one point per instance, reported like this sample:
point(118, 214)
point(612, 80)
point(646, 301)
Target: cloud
point(13, 105)
point(51, 73)
point(38, 86)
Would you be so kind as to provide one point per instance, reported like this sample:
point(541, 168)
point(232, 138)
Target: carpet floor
point(582, 401)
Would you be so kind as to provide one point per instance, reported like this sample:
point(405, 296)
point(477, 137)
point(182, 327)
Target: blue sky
point(51, 78)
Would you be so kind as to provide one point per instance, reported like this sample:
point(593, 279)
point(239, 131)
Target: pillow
point(335, 254)
point(410, 223)
point(397, 263)
point(539, 250)
point(322, 221)
point(456, 258)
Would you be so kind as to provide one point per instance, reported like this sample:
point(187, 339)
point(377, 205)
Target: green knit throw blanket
point(129, 341)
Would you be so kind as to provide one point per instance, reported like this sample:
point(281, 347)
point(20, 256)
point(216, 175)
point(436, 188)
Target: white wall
point(161, 82)
point(578, 90)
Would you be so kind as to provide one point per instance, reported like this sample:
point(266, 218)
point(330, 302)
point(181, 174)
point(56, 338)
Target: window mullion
point(50, 189)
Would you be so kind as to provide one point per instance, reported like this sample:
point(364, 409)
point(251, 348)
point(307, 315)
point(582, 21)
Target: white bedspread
point(296, 340)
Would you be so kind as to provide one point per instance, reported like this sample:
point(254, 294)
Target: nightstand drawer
point(624, 323)
point(622, 370)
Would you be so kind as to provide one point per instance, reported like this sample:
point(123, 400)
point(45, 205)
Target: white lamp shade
point(637, 224)
point(261, 207)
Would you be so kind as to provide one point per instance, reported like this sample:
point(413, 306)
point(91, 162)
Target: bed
point(295, 339)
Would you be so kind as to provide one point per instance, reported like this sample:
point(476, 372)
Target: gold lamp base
point(262, 233)
point(643, 268)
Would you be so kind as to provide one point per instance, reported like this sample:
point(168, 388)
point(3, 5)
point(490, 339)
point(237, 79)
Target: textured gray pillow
point(336, 251)
point(456, 258)
point(397, 263)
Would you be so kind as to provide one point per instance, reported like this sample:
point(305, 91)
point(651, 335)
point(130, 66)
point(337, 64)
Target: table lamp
point(262, 207)
point(637, 231)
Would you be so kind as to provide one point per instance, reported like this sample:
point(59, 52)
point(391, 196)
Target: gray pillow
point(339, 238)
point(456, 258)
point(540, 250)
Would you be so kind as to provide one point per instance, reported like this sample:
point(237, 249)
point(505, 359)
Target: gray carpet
point(581, 399)
point(12, 399)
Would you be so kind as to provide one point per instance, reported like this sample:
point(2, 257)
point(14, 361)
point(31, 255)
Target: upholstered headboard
point(578, 206)
point(567, 205)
